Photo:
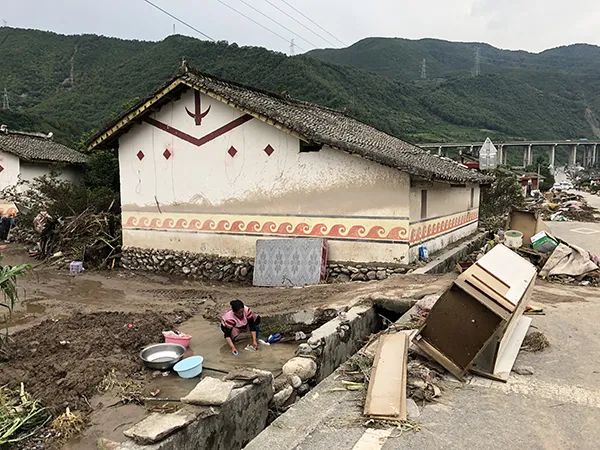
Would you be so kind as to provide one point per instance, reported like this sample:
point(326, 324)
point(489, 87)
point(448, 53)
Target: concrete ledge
point(445, 261)
point(335, 341)
point(231, 426)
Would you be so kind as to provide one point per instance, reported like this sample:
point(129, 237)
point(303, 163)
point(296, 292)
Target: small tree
point(498, 198)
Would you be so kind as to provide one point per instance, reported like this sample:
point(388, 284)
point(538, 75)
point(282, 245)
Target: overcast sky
point(532, 25)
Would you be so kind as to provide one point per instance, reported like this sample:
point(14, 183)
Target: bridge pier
point(552, 156)
point(500, 157)
point(594, 148)
point(529, 155)
point(573, 156)
point(525, 159)
point(440, 150)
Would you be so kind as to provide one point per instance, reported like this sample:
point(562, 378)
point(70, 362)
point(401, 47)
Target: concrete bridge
point(583, 151)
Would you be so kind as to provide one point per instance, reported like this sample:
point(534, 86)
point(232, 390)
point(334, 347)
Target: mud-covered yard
point(70, 331)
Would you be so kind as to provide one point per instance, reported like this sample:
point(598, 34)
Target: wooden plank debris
point(386, 395)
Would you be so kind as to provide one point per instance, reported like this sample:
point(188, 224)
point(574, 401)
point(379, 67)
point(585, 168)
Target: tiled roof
point(37, 147)
point(315, 124)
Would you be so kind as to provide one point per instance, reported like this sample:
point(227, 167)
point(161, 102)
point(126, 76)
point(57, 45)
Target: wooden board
point(505, 358)
point(438, 357)
point(386, 394)
point(459, 327)
point(509, 268)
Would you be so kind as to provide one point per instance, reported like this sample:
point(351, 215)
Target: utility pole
point(477, 69)
point(292, 47)
point(5, 102)
point(424, 69)
point(173, 29)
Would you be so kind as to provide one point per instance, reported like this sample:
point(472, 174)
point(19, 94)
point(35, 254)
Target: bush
point(498, 199)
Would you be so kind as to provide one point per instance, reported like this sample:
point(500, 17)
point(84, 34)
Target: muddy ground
point(64, 361)
point(69, 331)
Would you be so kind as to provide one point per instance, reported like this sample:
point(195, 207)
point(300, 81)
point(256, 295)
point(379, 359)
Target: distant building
point(26, 155)
point(530, 179)
point(210, 166)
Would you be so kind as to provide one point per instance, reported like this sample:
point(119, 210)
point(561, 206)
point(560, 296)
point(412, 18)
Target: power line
point(256, 22)
point(277, 23)
point(313, 22)
point(179, 20)
point(297, 21)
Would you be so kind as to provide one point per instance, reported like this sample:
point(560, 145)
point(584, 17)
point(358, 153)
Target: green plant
point(498, 198)
point(20, 415)
point(8, 286)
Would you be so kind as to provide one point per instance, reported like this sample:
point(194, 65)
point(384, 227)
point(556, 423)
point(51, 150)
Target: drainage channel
point(252, 407)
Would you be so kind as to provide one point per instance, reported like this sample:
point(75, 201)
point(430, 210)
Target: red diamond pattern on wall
point(232, 151)
point(140, 155)
point(167, 153)
point(269, 150)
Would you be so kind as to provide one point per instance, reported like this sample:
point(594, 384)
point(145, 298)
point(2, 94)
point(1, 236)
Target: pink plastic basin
point(174, 338)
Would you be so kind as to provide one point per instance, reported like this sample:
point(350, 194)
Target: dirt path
point(48, 292)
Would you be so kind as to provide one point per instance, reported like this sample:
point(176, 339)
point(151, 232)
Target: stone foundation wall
point(193, 265)
point(220, 268)
point(343, 272)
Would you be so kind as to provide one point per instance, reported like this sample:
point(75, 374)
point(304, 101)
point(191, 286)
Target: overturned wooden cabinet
point(478, 323)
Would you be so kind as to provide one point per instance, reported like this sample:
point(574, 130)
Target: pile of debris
point(477, 326)
point(562, 206)
point(554, 259)
point(64, 221)
point(93, 238)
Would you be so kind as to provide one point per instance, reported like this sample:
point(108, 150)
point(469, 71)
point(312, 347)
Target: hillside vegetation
point(72, 85)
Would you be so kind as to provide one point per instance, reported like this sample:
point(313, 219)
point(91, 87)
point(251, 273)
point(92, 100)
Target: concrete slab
point(445, 261)
point(157, 426)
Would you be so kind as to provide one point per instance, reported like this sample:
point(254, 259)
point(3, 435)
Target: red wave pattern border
point(340, 231)
point(420, 232)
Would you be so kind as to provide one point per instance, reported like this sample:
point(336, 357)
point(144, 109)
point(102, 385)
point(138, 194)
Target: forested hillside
point(72, 85)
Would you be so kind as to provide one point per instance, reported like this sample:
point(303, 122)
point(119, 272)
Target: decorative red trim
point(198, 115)
point(269, 150)
point(339, 231)
point(204, 139)
point(427, 230)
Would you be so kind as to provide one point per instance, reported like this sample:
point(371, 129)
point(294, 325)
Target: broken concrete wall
point(237, 422)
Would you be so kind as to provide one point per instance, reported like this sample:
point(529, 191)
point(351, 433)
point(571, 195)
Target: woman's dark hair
point(236, 305)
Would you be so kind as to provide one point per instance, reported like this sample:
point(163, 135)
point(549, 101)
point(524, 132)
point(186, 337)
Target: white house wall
point(450, 215)
point(182, 190)
point(31, 170)
point(9, 173)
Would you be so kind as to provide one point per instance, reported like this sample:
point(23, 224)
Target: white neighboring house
point(26, 155)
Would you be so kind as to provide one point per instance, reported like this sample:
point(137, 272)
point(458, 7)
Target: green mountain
point(72, 85)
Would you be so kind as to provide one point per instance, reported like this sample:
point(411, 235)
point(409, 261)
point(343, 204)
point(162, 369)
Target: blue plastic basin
point(189, 367)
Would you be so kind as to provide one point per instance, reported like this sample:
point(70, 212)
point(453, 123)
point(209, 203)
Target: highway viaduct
point(584, 150)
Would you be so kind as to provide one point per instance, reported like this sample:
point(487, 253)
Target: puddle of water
point(24, 313)
point(106, 422)
point(208, 341)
